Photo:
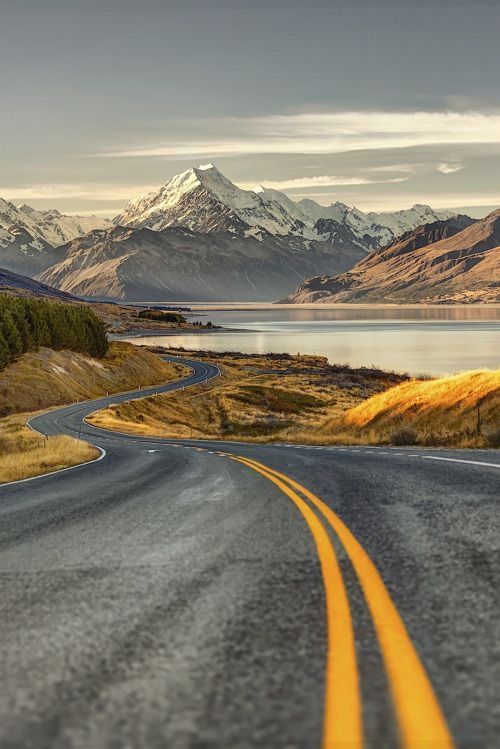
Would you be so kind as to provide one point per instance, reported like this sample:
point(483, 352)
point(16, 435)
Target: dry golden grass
point(50, 378)
point(258, 398)
point(23, 453)
point(305, 400)
point(461, 411)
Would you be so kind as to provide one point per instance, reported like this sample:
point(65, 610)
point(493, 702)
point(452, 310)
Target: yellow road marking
point(342, 718)
point(420, 718)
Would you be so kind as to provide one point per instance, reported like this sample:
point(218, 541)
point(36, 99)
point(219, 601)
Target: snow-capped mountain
point(453, 261)
point(21, 253)
point(204, 200)
point(28, 237)
point(49, 226)
point(199, 236)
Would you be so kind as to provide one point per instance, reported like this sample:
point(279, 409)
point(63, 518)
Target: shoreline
point(140, 333)
point(258, 306)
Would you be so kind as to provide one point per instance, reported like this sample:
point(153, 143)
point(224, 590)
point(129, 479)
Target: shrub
point(403, 436)
point(160, 316)
point(493, 438)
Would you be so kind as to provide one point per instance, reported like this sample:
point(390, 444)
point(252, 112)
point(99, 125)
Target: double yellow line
point(419, 716)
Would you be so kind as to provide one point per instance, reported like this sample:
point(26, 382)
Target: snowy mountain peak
point(421, 207)
point(25, 208)
point(203, 199)
point(48, 226)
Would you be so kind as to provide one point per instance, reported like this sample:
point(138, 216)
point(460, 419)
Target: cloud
point(403, 168)
point(90, 191)
point(396, 202)
point(299, 183)
point(446, 168)
point(319, 133)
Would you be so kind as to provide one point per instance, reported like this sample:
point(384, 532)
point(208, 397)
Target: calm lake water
point(415, 340)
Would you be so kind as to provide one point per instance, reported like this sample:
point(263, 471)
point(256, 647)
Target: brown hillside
point(49, 378)
point(462, 411)
point(464, 267)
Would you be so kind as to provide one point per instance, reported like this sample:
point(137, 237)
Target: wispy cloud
point(394, 202)
point(446, 168)
point(320, 133)
point(403, 168)
point(90, 191)
point(299, 183)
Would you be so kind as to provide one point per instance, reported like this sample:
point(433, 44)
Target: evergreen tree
point(27, 324)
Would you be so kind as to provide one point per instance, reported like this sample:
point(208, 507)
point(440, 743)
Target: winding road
point(210, 594)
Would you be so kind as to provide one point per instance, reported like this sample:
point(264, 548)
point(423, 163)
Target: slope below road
point(173, 594)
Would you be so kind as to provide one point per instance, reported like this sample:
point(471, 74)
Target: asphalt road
point(228, 595)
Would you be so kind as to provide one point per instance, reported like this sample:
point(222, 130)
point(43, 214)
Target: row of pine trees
point(27, 324)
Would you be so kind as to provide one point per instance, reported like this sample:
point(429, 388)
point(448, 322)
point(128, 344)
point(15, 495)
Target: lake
point(418, 340)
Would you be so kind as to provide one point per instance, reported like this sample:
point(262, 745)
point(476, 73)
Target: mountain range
point(180, 264)
point(29, 238)
point(201, 237)
point(204, 200)
point(443, 262)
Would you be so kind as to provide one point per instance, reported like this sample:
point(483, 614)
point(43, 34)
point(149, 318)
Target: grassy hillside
point(258, 398)
point(49, 378)
point(54, 353)
point(462, 410)
point(46, 378)
point(24, 453)
point(305, 400)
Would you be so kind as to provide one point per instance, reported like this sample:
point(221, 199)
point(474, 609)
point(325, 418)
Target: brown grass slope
point(303, 399)
point(49, 378)
point(462, 411)
point(23, 453)
point(464, 267)
point(258, 398)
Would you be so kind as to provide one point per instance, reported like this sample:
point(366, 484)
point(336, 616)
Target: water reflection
point(427, 340)
point(320, 312)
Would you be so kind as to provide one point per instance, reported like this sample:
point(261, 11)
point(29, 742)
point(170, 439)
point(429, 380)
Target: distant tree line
point(27, 324)
point(161, 316)
point(201, 324)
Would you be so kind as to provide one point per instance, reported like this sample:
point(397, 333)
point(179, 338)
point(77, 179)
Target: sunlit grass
point(45, 378)
point(258, 398)
point(462, 410)
point(48, 378)
point(303, 400)
point(24, 453)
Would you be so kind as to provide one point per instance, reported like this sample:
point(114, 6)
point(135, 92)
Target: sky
point(377, 103)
